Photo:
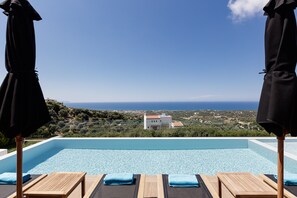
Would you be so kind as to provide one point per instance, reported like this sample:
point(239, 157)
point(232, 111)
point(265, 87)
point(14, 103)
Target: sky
point(148, 50)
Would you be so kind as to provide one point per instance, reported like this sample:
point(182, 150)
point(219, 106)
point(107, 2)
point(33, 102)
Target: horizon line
point(225, 101)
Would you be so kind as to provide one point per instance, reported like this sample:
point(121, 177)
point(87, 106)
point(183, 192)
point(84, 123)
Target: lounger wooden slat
point(93, 186)
point(160, 186)
point(150, 186)
point(210, 186)
point(273, 184)
point(141, 186)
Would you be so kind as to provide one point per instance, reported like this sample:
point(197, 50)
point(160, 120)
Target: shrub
point(4, 141)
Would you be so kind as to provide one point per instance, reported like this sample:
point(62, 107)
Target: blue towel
point(183, 181)
point(289, 179)
point(119, 179)
point(9, 178)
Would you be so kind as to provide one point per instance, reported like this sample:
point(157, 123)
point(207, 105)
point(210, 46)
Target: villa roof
point(152, 117)
point(177, 124)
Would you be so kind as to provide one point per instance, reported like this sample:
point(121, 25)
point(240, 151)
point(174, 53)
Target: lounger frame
point(273, 184)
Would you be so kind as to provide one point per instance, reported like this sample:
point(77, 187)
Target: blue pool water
point(207, 161)
point(149, 155)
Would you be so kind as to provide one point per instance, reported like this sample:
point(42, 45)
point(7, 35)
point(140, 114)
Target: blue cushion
point(182, 181)
point(289, 179)
point(10, 178)
point(119, 179)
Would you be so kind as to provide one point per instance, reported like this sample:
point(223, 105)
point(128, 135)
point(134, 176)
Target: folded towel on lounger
point(182, 181)
point(10, 178)
point(289, 179)
point(119, 179)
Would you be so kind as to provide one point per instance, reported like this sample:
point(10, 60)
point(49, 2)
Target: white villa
point(155, 122)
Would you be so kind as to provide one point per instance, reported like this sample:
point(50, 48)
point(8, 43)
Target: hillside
point(92, 123)
point(72, 122)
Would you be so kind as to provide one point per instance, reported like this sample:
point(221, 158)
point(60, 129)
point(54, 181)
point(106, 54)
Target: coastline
point(166, 106)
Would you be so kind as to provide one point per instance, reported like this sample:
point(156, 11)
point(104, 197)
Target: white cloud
point(244, 9)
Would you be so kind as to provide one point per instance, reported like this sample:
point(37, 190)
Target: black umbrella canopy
point(277, 110)
point(22, 106)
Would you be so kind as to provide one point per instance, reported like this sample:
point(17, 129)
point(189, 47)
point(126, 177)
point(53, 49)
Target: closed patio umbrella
point(22, 106)
point(277, 111)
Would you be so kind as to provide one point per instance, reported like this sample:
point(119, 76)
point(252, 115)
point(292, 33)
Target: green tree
point(4, 141)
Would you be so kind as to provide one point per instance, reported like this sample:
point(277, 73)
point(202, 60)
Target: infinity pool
point(150, 156)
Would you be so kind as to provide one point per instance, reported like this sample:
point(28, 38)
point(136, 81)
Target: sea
point(174, 106)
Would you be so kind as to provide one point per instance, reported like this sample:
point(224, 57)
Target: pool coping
point(156, 138)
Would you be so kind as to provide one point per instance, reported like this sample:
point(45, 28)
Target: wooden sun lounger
point(98, 189)
point(9, 191)
point(289, 191)
point(205, 189)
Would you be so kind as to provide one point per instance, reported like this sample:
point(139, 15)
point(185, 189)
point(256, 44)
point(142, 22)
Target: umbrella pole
point(19, 147)
point(280, 166)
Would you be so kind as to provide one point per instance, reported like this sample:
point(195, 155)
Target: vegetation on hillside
point(73, 122)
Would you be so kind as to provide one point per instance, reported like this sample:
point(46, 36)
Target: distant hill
point(84, 122)
point(74, 122)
